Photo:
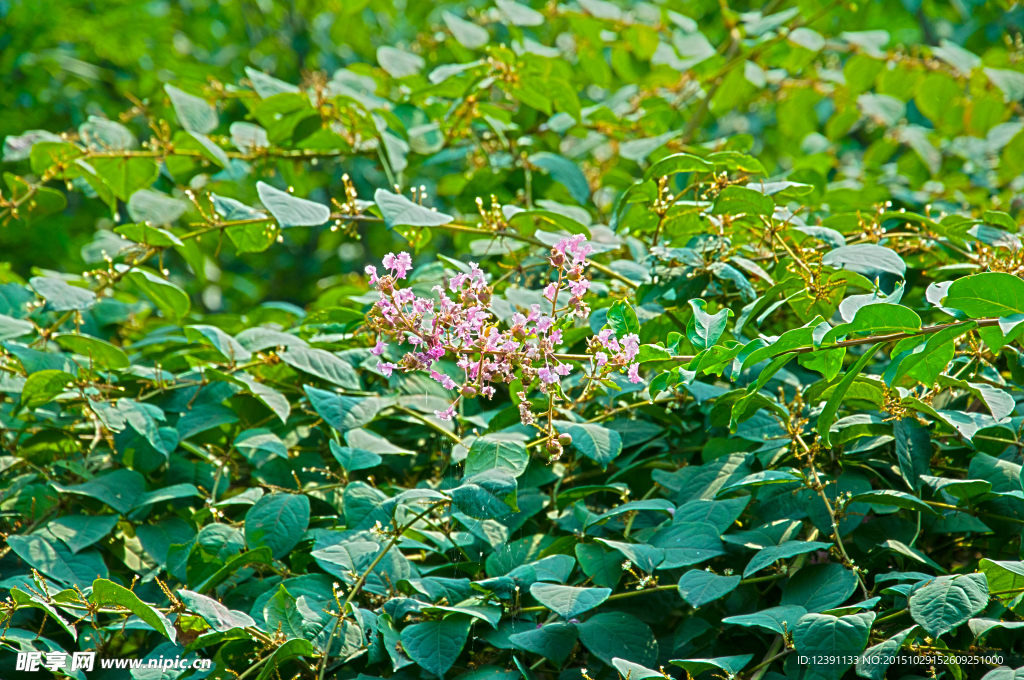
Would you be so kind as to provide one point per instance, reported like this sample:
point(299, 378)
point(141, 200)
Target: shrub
point(581, 340)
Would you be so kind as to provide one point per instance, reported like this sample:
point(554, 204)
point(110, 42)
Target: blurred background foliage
point(62, 61)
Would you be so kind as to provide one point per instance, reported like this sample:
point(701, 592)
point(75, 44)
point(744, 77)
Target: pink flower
point(631, 346)
point(445, 380)
point(634, 374)
point(447, 414)
point(398, 264)
point(547, 376)
point(488, 391)
point(601, 358)
point(379, 348)
point(386, 367)
point(371, 271)
point(563, 369)
point(550, 291)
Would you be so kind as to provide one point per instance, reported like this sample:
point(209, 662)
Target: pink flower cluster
point(610, 353)
point(569, 257)
point(459, 322)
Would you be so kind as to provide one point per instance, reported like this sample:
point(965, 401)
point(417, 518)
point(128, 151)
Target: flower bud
point(519, 333)
point(565, 439)
point(573, 275)
point(468, 391)
point(557, 258)
point(484, 296)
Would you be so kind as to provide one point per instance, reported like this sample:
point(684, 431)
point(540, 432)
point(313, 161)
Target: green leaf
point(735, 200)
point(686, 543)
point(487, 495)
point(341, 412)
point(148, 235)
point(23, 599)
point(291, 211)
point(527, 222)
point(617, 635)
point(119, 489)
point(80, 531)
point(828, 414)
point(11, 328)
point(258, 556)
point(779, 620)
point(435, 645)
point(926, 361)
point(653, 353)
point(866, 259)
point(469, 35)
point(773, 553)
point(230, 349)
point(703, 329)
point(891, 497)
point(986, 295)
point(699, 587)
point(61, 296)
point(292, 649)
point(57, 562)
point(97, 351)
point(43, 386)
point(622, 319)
point(830, 640)
point(491, 452)
point(819, 587)
point(352, 459)
point(194, 114)
point(732, 665)
point(567, 601)
point(398, 211)
point(168, 298)
point(565, 172)
point(214, 613)
point(277, 521)
point(1003, 576)
point(944, 603)
point(602, 566)
point(596, 442)
point(106, 593)
point(553, 641)
point(125, 174)
point(877, 320)
point(680, 162)
point(322, 364)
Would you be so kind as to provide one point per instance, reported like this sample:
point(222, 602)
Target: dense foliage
point(577, 340)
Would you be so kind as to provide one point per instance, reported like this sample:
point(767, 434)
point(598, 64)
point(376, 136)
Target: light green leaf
point(948, 601)
point(598, 443)
point(42, 387)
point(194, 113)
point(435, 645)
point(567, 601)
point(291, 211)
point(106, 593)
point(828, 414)
point(277, 521)
point(829, 640)
point(618, 635)
point(169, 298)
point(97, 351)
point(699, 587)
point(491, 452)
point(703, 329)
point(342, 412)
